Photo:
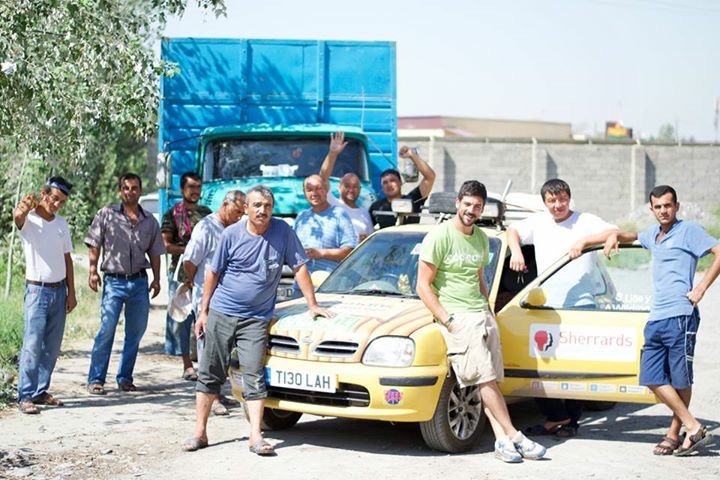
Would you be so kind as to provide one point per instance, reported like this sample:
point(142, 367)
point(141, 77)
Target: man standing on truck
point(392, 188)
point(176, 227)
point(554, 233)
point(127, 236)
point(349, 189)
point(238, 302)
point(452, 286)
point(325, 231)
point(49, 290)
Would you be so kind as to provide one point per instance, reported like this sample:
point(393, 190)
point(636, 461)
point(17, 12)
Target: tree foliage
point(79, 92)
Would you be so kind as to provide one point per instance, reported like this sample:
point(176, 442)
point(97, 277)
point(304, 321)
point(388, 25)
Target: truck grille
point(333, 348)
point(347, 395)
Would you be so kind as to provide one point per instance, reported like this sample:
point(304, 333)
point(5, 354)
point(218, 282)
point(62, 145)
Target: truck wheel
point(275, 419)
point(598, 406)
point(458, 420)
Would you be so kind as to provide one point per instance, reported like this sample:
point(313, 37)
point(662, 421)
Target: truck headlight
point(390, 352)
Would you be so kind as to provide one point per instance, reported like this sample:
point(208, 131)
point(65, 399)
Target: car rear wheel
point(276, 419)
point(458, 420)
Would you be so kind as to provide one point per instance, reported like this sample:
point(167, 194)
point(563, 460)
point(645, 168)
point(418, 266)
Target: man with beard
point(349, 189)
point(177, 225)
point(238, 302)
point(127, 236)
point(49, 290)
point(452, 286)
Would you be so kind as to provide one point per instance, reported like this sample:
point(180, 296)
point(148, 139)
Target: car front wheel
point(458, 420)
point(276, 419)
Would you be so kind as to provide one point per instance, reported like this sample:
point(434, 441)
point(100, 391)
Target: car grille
point(347, 395)
point(327, 348)
point(333, 348)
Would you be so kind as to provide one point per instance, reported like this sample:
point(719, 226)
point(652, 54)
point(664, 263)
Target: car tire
point(458, 421)
point(598, 406)
point(276, 419)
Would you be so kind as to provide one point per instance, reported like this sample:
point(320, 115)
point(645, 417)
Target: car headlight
point(390, 352)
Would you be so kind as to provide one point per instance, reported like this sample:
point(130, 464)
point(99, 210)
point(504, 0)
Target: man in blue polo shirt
point(667, 355)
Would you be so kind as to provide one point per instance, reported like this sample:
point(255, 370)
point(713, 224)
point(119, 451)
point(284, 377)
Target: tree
point(666, 133)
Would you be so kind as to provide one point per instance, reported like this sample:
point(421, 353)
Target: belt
point(127, 276)
point(46, 284)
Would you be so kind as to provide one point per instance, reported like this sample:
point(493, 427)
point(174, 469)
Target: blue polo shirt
point(674, 261)
point(250, 268)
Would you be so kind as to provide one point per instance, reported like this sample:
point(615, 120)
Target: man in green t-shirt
point(452, 286)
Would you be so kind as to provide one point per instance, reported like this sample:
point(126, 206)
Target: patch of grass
point(713, 228)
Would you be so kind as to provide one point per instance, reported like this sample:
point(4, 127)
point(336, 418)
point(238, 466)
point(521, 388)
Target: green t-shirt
point(457, 258)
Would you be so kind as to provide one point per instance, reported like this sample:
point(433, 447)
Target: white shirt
point(200, 250)
point(360, 217)
point(45, 245)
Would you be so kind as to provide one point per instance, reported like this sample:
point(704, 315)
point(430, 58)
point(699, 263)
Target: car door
point(577, 329)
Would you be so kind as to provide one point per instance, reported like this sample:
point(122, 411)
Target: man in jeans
point(127, 236)
point(176, 228)
point(49, 290)
point(452, 286)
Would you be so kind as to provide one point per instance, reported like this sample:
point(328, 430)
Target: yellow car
point(565, 334)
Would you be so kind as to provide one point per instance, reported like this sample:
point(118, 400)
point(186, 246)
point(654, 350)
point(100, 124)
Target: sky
point(644, 63)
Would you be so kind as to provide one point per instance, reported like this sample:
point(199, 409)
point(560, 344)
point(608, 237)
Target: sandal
point(193, 444)
point(190, 374)
point(540, 430)
point(127, 387)
point(566, 431)
point(219, 409)
point(666, 446)
point(96, 389)
point(262, 448)
point(47, 399)
point(28, 407)
point(697, 440)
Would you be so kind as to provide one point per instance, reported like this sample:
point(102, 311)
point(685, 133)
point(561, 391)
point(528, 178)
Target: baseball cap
point(60, 183)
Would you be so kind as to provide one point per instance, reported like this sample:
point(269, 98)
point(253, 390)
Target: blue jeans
point(44, 327)
point(133, 295)
point(177, 334)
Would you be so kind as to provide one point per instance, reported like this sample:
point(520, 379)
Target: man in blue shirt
point(238, 302)
point(325, 231)
point(667, 355)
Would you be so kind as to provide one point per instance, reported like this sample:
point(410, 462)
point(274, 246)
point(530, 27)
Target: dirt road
point(137, 435)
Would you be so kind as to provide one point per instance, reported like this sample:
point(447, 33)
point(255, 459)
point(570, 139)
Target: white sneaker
point(505, 451)
point(527, 448)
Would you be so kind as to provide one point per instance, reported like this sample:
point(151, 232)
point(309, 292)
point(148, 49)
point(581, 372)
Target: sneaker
point(527, 448)
point(505, 451)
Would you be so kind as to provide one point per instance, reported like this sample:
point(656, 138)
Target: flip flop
point(193, 444)
point(566, 431)
point(540, 430)
point(697, 440)
point(96, 389)
point(219, 410)
point(47, 399)
point(262, 448)
point(27, 407)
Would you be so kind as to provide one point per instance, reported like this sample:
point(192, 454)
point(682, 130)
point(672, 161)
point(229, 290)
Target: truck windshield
point(286, 157)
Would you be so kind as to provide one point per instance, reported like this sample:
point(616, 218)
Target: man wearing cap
point(177, 225)
point(127, 235)
point(198, 255)
point(392, 188)
point(49, 290)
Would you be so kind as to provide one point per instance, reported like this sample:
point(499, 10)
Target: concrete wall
point(611, 180)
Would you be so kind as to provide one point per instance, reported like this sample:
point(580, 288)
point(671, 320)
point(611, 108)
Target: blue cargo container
point(243, 112)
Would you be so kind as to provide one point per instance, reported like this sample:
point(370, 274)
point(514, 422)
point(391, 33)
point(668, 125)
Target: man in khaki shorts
point(451, 285)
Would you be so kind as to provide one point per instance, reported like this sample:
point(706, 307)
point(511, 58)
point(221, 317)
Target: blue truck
point(243, 112)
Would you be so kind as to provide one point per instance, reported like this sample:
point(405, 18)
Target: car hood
point(359, 319)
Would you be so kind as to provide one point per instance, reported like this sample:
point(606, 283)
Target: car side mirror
point(318, 277)
point(535, 298)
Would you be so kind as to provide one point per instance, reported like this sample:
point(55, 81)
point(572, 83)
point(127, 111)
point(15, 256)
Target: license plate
point(317, 382)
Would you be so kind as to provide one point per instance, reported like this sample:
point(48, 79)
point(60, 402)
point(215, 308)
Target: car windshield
point(385, 264)
point(286, 157)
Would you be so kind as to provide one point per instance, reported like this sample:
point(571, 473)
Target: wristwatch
point(450, 319)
